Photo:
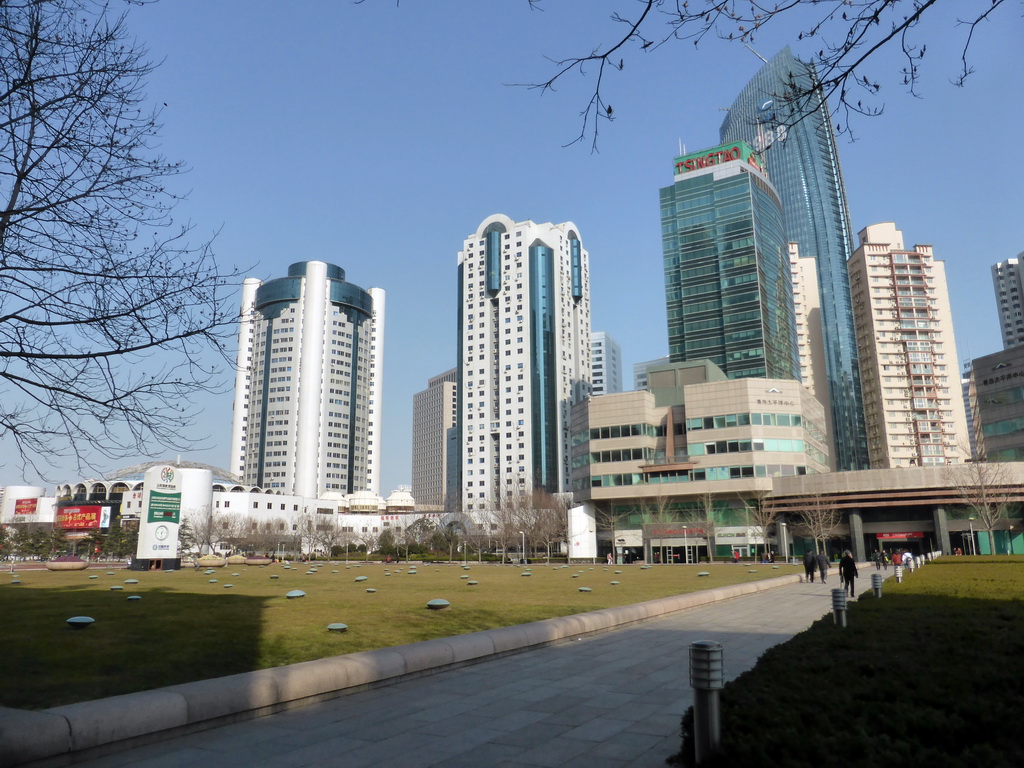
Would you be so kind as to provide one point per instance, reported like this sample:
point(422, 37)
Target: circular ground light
point(337, 627)
point(80, 622)
point(438, 604)
point(295, 593)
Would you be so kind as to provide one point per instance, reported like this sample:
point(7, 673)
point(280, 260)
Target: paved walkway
point(609, 701)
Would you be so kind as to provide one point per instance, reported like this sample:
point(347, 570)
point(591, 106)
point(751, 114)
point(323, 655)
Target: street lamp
point(970, 524)
point(1009, 541)
point(523, 534)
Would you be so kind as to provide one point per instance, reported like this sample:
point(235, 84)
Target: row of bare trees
point(535, 519)
point(985, 491)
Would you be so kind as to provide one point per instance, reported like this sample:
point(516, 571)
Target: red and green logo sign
point(724, 153)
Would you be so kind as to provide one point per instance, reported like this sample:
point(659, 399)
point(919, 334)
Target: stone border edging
point(56, 735)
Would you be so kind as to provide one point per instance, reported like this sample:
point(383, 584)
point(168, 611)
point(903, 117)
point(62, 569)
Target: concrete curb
point(63, 735)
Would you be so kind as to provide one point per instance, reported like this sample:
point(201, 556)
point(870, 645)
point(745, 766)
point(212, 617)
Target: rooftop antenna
point(762, 58)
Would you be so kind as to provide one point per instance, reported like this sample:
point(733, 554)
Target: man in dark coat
point(848, 570)
point(823, 566)
point(809, 566)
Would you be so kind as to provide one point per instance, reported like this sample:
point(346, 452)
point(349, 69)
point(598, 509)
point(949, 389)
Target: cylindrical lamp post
point(876, 584)
point(839, 606)
point(707, 678)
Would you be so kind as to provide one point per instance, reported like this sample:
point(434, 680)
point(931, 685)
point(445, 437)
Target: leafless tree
point(987, 491)
point(265, 534)
point(229, 530)
point(370, 540)
point(417, 533)
point(107, 312)
point(844, 38)
point(204, 531)
point(762, 511)
point(703, 516)
point(511, 515)
point(819, 519)
point(550, 519)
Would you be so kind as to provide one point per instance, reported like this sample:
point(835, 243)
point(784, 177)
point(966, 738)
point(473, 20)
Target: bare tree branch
point(849, 34)
point(108, 315)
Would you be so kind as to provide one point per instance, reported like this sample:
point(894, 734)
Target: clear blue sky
point(377, 136)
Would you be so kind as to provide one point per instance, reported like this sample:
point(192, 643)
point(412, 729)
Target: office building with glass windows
point(801, 159)
point(728, 285)
point(524, 357)
point(307, 413)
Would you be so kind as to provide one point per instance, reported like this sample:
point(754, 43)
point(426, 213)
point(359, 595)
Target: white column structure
point(309, 449)
point(374, 419)
point(246, 331)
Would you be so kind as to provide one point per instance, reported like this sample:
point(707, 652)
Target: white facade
point(1008, 283)
point(606, 363)
point(810, 341)
point(434, 416)
point(308, 389)
point(909, 369)
point(524, 356)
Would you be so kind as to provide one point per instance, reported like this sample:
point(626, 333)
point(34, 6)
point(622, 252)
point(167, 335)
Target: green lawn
point(929, 675)
point(187, 627)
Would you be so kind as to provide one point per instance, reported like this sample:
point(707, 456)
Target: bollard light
point(898, 572)
point(876, 584)
point(707, 677)
point(707, 671)
point(839, 606)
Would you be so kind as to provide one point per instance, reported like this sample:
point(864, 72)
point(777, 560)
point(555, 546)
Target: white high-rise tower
point(524, 357)
point(307, 411)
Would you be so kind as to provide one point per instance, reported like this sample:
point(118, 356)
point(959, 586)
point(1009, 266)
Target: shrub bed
point(929, 675)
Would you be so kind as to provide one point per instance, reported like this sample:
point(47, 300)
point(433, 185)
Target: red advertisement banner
point(79, 517)
point(25, 506)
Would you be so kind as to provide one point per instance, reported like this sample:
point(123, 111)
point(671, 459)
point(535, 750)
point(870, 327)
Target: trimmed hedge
point(930, 675)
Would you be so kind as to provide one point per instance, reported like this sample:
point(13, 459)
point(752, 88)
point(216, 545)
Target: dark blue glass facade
point(544, 367)
point(802, 162)
point(729, 296)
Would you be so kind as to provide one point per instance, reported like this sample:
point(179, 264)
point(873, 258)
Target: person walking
point(848, 571)
point(809, 564)
point(823, 566)
point(877, 557)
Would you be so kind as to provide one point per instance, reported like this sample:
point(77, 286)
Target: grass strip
point(190, 625)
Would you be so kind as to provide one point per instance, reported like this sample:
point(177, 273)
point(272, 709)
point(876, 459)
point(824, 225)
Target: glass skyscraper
point(728, 292)
point(802, 162)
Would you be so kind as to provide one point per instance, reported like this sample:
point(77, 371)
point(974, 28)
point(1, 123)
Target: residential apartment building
point(606, 363)
point(524, 356)
point(434, 420)
point(810, 340)
point(911, 375)
point(307, 410)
